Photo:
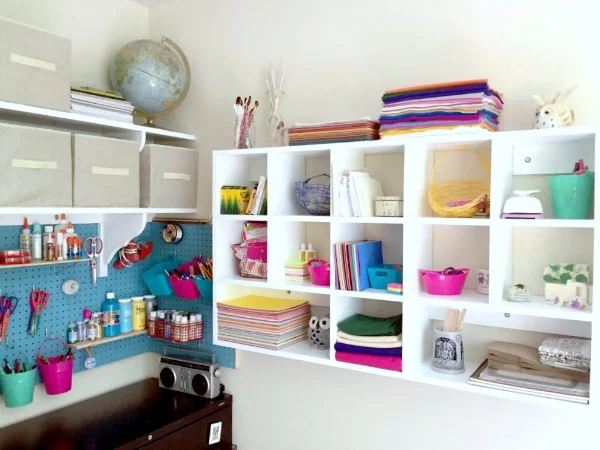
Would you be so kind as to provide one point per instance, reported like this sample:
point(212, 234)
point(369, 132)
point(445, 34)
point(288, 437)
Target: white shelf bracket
point(116, 230)
point(142, 140)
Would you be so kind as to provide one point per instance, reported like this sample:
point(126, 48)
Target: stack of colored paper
point(296, 272)
point(351, 262)
point(271, 323)
point(363, 129)
point(370, 341)
point(460, 106)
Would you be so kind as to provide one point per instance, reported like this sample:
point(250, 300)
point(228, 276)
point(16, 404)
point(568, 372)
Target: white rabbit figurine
point(554, 112)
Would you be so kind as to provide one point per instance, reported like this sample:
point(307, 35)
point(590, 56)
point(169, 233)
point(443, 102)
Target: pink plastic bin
point(185, 289)
point(436, 283)
point(320, 272)
point(57, 376)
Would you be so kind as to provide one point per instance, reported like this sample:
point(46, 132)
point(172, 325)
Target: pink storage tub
point(438, 283)
point(58, 375)
point(185, 289)
point(320, 272)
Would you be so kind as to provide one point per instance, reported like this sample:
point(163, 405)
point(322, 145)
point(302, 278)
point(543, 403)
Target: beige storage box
point(168, 176)
point(35, 164)
point(35, 67)
point(106, 172)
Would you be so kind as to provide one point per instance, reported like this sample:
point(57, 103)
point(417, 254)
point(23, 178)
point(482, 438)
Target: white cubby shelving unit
point(117, 226)
point(515, 251)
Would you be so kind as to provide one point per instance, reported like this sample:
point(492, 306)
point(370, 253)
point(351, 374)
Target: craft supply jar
point(483, 281)
point(448, 351)
point(138, 304)
point(126, 319)
point(389, 207)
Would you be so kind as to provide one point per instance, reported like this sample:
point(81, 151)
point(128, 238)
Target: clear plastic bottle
point(25, 238)
point(71, 333)
point(45, 237)
point(185, 330)
point(152, 324)
point(36, 249)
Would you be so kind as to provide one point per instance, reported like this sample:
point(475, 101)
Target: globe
point(153, 76)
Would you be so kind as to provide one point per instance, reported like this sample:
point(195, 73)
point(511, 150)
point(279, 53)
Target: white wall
point(339, 56)
point(97, 30)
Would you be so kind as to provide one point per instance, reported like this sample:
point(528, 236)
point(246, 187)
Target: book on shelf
point(352, 260)
point(258, 198)
point(530, 383)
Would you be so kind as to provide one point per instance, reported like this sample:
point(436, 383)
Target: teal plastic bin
point(156, 278)
point(205, 287)
point(571, 195)
point(17, 388)
point(380, 276)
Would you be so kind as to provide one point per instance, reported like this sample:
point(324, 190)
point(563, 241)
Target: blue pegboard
point(18, 282)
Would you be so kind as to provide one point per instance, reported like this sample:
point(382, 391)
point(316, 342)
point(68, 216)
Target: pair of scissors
point(7, 307)
point(39, 300)
point(93, 247)
point(452, 271)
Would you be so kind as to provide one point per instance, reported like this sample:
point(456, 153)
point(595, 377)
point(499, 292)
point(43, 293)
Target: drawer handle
point(177, 176)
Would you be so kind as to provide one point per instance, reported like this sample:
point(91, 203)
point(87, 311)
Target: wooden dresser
point(137, 416)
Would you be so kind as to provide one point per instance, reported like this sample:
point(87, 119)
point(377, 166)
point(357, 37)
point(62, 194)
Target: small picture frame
point(214, 435)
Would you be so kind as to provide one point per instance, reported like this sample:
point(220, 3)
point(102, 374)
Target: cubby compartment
point(382, 163)
point(440, 247)
point(442, 163)
point(529, 163)
point(285, 240)
point(303, 350)
point(236, 170)
point(343, 307)
point(528, 251)
point(391, 237)
point(288, 167)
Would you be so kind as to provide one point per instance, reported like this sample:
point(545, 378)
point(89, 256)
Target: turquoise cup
point(571, 195)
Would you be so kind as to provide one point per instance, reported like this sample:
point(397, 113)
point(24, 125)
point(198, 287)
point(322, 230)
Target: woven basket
point(461, 198)
point(313, 198)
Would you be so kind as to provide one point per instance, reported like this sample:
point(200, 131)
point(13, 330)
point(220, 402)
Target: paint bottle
point(138, 306)
point(36, 249)
point(126, 312)
point(45, 237)
point(81, 334)
point(51, 248)
point(185, 330)
point(59, 246)
point(311, 253)
point(302, 252)
point(69, 234)
point(112, 318)
point(71, 333)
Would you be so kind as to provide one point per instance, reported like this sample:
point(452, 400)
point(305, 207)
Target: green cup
point(17, 388)
point(571, 195)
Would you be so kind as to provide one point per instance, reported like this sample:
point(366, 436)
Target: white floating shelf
point(483, 222)
point(371, 294)
point(66, 118)
point(43, 263)
point(25, 210)
point(106, 340)
point(546, 223)
point(540, 307)
point(469, 299)
point(301, 287)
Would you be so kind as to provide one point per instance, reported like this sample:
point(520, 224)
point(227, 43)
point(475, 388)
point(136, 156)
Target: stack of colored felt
point(460, 106)
point(363, 129)
point(266, 322)
point(370, 341)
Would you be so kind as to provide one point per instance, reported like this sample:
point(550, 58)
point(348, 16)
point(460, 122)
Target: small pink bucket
point(185, 289)
point(320, 272)
point(438, 283)
point(57, 376)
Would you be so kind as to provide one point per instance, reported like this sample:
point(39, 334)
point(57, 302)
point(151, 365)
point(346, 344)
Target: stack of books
point(356, 191)
point(351, 262)
point(265, 322)
point(517, 368)
point(363, 129)
point(248, 200)
point(460, 106)
point(100, 103)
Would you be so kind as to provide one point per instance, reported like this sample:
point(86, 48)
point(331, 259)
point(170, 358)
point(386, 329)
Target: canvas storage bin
point(35, 67)
point(168, 176)
point(35, 165)
point(106, 172)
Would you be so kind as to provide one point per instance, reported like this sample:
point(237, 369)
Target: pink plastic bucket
point(57, 376)
point(438, 283)
point(320, 272)
point(185, 289)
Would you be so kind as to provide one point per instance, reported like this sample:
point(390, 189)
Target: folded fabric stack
point(566, 353)
point(266, 322)
point(100, 103)
point(370, 341)
point(460, 106)
point(363, 129)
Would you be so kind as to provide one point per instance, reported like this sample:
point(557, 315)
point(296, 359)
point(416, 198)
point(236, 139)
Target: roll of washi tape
point(172, 233)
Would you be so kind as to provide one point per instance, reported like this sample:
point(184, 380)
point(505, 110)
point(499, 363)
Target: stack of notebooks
point(265, 322)
point(356, 192)
point(461, 106)
point(363, 129)
point(351, 262)
point(99, 103)
point(517, 368)
point(370, 341)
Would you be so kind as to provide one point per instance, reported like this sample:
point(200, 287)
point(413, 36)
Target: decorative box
point(389, 207)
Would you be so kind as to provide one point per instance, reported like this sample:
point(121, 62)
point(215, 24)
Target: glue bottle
point(62, 224)
point(69, 234)
point(25, 238)
point(36, 249)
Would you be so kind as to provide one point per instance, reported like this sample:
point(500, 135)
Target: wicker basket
point(313, 198)
point(461, 198)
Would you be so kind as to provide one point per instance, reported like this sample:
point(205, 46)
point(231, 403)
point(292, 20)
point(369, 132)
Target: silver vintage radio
point(192, 376)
